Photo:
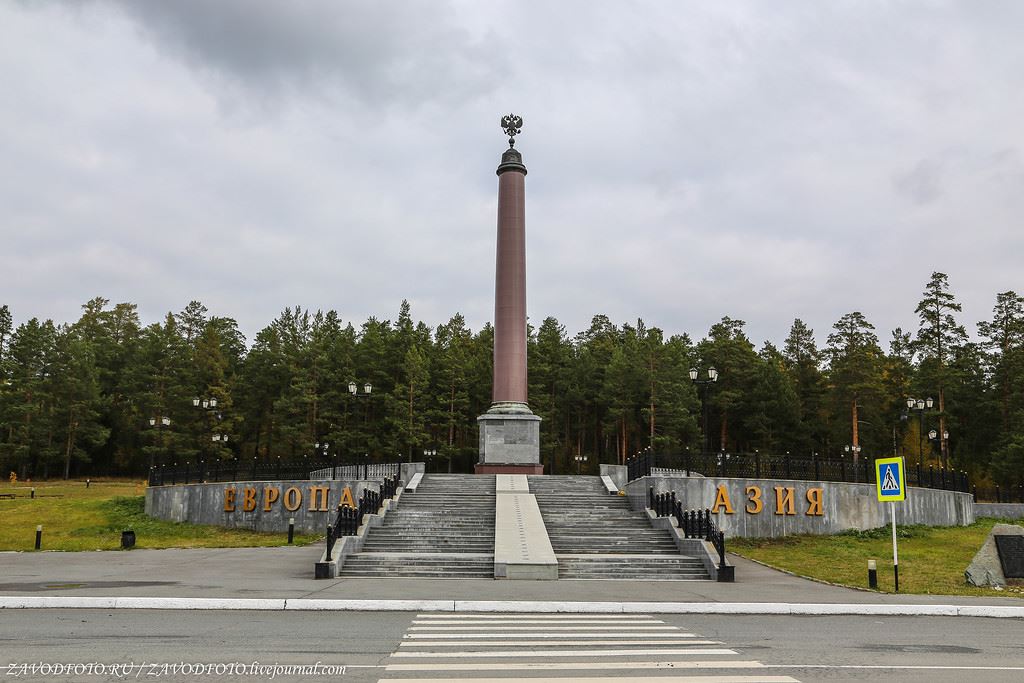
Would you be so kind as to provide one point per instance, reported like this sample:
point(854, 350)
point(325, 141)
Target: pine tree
point(939, 338)
point(802, 361)
point(855, 373)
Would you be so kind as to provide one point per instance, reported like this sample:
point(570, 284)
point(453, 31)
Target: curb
point(510, 606)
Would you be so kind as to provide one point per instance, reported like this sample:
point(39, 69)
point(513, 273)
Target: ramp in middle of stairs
point(521, 546)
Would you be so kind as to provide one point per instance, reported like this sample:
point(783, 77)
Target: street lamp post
point(855, 449)
point(933, 435)
point(353, 391)
point(159, 422)
point(428, 453)
point(209, 405)
point(580, 459)
point(705, 385)
point(920, 405)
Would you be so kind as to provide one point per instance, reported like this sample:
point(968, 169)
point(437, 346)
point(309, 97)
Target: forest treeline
point(106, 395)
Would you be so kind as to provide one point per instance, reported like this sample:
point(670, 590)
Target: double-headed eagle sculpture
point(513, 126)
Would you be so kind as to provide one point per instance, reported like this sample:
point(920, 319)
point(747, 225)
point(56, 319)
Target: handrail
point(349, 519)
point(692, 524)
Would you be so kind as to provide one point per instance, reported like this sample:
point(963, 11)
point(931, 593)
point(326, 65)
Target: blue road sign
point(889, 480)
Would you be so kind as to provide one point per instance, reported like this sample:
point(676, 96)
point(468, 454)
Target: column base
point(509, 437)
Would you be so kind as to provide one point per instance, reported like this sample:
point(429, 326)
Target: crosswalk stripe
point(616, 649)
point(552, 634)
point(548, 643)
point(547, 627)
point(571, 653)
point(623, 679)
point(528, 615)
point(575, 666)
point(638, 622)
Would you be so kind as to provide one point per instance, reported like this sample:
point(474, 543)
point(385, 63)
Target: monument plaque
point(1011, 555)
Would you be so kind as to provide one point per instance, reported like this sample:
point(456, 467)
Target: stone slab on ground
point(986, 569)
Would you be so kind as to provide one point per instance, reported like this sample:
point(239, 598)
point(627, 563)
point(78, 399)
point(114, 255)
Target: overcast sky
point(687, 160)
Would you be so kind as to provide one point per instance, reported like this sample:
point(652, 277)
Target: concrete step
point(637, 567)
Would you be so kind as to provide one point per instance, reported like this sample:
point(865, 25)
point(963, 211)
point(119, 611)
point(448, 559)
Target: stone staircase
point(595, 535)
point(445, 529)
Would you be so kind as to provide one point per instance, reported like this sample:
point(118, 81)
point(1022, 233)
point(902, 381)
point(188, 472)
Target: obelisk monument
point(509, 431)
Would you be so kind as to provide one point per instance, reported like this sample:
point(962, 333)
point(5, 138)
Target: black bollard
point(39, 537)
point(872, 574)
point(33, 494)
point(88, 482)
point(291, 530)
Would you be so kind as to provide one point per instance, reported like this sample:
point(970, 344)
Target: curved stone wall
point(767, 508)
point(255, 505)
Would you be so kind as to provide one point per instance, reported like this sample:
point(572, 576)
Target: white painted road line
point(546, 627)
point(573, 634)
point(514, 622)
point(894, 667)
point(575, 666)
point(656, 652)
point(536, 615)
point(543, 643)
point(622, 679)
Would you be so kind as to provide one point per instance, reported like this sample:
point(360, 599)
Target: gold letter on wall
point(754, 505)
point(229, 499)
point(346, 498)
point(292, 499)
point(248, 499)
point(318, 492)
point(814, 497)
point(270, 496)
point(722, 500)
point(784, 504)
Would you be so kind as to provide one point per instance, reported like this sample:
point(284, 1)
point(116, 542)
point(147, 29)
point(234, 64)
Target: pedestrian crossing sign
point(889, 479)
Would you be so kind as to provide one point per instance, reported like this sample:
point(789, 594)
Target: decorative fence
point(999, 494)
point(349, 519)
point(762, 466)
point(268, 470)
point(693, 524)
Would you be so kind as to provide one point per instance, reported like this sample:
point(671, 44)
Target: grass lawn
point(78, 518)
point(932, 559)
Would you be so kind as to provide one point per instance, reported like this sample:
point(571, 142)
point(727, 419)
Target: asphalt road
point(442, 647)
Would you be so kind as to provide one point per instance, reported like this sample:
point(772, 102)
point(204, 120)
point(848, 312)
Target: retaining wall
point(311, 502)
point(803, 507)
point(1000, 510)
point(314, 503)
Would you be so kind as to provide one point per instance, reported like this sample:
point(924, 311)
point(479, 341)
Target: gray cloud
point(377, 53)
point(686, 161)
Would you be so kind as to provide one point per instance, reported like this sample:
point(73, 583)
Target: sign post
point(892, 487)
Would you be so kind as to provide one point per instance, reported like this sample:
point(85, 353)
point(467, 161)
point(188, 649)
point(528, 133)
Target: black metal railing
point(765, 466)
point(349, 519)
point(999, 494)
point(692, 524)
point(267, 470)
point(698, 524)
point(663, 504)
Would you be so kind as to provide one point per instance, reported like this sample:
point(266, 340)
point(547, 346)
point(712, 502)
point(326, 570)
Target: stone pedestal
point(509, 440)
